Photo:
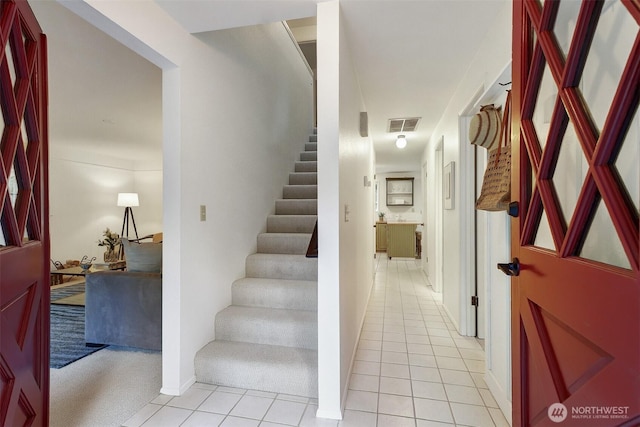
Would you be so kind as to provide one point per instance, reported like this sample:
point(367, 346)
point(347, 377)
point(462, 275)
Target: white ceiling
point(409, 57)
point(103, 97)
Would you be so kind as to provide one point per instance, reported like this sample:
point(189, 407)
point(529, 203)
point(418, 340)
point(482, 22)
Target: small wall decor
point(448, 183)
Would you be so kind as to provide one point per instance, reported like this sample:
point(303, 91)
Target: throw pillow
point(143, 257)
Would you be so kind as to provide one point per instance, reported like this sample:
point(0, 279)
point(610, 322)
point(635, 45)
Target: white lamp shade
point(401, 142)
point(128, 199)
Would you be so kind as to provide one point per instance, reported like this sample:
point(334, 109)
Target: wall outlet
point(203, 212)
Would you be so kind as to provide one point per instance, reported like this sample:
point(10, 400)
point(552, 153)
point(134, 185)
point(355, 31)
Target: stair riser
point(289, 294)
point(296, 207)
point(291, 223)
point(302, 269)
point(299, 332)
point(309, 156)
point(300, 192)
point(270, 243)
point(303, 178)
point(313, 138)
point(311, 146)
point(306, 167)
point(297, 375)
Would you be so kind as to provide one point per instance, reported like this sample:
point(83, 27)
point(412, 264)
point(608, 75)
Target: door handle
point(510, 269)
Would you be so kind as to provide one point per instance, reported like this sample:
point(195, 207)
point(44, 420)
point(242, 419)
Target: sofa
point(124, 308)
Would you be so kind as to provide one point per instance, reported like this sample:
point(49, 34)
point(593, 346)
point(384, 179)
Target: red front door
point(24, 234)
point(576, 302)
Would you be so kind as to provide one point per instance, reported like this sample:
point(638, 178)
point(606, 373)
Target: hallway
point(411, 369)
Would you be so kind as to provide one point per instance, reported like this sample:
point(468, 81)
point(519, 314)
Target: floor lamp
point(127, 200)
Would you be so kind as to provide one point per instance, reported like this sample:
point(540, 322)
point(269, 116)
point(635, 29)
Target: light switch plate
point(203, 212)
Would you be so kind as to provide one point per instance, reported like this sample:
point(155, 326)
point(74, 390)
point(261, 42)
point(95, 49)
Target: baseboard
point(172, 391)
point(331, 415)
point(451, 318)
point(500, 395)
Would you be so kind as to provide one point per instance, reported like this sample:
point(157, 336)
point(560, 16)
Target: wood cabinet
point(401, 240)
point(381, 237)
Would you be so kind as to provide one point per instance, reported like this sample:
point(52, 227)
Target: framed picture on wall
point(448, 190)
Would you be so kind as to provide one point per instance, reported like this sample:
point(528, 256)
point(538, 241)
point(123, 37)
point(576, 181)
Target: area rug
point(68, 294)
point(67, 329)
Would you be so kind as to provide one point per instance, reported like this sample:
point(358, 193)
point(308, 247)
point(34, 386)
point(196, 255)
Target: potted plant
point(111, 241)
point(381, 216)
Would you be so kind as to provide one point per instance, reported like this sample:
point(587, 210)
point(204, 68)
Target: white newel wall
point(344, 207)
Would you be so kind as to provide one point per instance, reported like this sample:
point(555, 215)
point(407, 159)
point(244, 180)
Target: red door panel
point(24, 237)
point(576, 141)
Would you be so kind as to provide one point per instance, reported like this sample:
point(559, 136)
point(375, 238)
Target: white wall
point(490, 59)
point(83, 190)
point(345, 239)
point(237, 109)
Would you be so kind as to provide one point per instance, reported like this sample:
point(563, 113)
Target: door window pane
point(547, 95)
point(612, 43)
point(628, 162)
point(602, 242)
point(570, 173)
point(565, 24)
point(544, 239)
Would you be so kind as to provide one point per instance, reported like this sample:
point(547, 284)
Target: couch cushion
point(143, 257)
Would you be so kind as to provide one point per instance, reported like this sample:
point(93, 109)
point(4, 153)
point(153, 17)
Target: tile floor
point(411, 369)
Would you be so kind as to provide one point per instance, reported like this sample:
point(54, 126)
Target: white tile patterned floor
point(412, 369)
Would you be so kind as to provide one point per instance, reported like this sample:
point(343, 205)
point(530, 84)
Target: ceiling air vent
point(408, 124)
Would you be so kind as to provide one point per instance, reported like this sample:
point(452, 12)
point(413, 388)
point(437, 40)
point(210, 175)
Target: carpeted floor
point(104, 389)
point(67, 326)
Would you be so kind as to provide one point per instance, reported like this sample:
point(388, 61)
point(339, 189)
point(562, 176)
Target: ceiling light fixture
point(401, 142)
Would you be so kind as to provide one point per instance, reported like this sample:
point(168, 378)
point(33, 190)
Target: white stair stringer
point(267, 339)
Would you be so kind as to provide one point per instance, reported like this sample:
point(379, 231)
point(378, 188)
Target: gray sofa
point(124, 308)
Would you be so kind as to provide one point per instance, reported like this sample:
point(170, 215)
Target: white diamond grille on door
point(21, 134)
point(586, 130)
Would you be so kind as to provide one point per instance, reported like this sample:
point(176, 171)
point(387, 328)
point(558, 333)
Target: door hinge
point(474, 300)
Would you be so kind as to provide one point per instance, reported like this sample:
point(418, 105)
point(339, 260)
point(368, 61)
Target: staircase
point(268, 338)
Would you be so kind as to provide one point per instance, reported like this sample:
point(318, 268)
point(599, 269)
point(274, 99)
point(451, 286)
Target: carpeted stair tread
point(306, 167)
point(291, 223)
point(306, 156)
point(297, 207)
point(300, 192)
point(311, 146)
point(275, 293)
point(303, 178)
point(282, 266)
point(283, 243)
point(271, 326)
point(259, 367)
point(313, 138)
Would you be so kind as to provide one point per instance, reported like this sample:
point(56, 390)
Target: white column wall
point(345, 239)
point(237, 110)
point(490, 59)
point(329, 362)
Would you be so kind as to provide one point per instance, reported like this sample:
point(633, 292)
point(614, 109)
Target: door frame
point(438, 280)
